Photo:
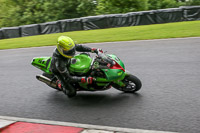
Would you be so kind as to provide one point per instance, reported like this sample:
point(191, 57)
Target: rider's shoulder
point(56, 53)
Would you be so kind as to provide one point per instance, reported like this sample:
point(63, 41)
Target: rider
point(66, 49)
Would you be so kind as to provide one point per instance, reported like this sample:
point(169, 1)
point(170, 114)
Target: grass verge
point(145, 32)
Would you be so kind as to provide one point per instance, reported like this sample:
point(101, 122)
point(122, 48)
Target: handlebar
point(105, 58)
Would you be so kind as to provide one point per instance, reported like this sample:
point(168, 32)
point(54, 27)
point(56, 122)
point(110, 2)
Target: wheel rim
point(130, 86)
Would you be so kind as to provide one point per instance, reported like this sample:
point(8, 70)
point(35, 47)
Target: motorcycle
point(107, 69)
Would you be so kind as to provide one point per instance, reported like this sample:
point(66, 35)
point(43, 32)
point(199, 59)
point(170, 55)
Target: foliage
point(193, 2)
point(120, 6)
point(23, 12)
point(162, 4)
point(86, 7)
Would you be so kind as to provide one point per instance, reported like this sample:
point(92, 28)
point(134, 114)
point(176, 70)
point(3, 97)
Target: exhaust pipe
point(46, 80)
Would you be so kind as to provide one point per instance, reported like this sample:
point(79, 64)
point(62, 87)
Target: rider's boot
point(69, 90)
point(66, 87)
point(59, 85)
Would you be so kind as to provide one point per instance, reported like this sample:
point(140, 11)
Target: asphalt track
point(169, 99)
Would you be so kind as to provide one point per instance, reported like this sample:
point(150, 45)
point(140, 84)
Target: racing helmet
point(66, 46)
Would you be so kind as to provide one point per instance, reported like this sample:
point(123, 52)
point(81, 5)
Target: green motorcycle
point(107, 69)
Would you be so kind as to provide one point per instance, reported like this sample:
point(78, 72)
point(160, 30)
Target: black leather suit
point(59, 68)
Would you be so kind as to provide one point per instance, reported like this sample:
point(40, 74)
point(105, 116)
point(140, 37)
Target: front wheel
point(132, 83)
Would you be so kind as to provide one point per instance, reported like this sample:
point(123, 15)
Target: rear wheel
point(132, 83)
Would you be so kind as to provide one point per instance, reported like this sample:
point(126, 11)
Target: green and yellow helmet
point(66, 46)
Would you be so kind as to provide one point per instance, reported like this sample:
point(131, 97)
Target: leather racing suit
point(59, 68)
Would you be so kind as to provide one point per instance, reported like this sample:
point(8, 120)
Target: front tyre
point(132, 84)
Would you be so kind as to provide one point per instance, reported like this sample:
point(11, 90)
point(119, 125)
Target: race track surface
point(169, 99)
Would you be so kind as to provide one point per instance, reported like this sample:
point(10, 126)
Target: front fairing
point(117, 72)
point(115, 58)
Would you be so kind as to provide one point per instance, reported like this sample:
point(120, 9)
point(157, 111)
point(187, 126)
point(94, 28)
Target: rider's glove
point(87, 80)
point(94, 50)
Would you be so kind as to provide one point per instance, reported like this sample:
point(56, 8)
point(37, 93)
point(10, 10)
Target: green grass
point(146, 32)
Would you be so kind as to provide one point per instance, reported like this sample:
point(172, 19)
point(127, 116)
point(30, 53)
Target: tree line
point(23, 12)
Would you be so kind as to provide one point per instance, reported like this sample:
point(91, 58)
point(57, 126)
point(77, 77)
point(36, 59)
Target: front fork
point(120, 81)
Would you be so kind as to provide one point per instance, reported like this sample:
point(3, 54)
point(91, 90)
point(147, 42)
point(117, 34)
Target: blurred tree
point(161, 4)
point(86, 7)
point(193, 2)
point(21, 12)
point(7, 13)
point(169, 4)
point(154, 4)
point(120, 6)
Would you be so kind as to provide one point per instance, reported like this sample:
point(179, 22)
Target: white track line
point(4, 123)
point(86, 126)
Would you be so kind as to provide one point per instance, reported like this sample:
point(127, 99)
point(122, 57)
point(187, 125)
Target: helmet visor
point(69, 52)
